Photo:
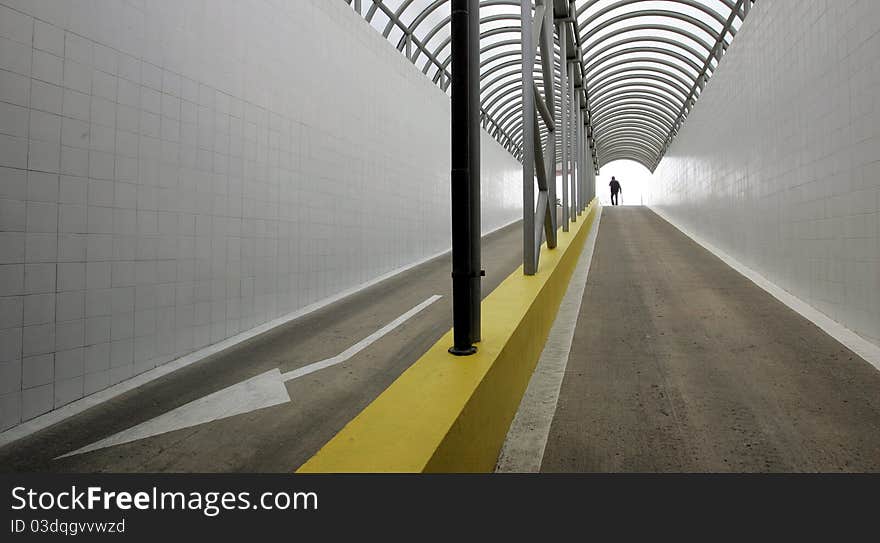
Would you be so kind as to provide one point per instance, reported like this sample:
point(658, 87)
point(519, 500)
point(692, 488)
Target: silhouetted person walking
point(615, 190)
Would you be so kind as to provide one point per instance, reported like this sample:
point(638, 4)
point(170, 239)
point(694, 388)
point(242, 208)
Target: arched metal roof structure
point(638, 66)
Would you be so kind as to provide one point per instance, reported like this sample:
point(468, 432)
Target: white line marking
point(523, 449)
point(851, 340)
point(360, 345)
point(264, 390)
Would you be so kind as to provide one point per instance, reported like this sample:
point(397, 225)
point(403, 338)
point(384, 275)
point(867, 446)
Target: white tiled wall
point(174, 172)
point(779, 163)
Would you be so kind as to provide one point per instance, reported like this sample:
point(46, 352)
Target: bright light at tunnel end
point(634, 179)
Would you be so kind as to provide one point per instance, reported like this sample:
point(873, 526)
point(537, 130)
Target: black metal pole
point(465, 132)
point(474, 156)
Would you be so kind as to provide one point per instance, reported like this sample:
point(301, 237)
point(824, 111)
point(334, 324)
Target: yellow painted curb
point(451, 414)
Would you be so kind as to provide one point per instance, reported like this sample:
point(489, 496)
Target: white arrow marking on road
point(264, 390)
point(360, 345)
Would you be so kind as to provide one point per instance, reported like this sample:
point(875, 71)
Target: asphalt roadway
point(282, 437)
point(681, 364)
point(678, 364)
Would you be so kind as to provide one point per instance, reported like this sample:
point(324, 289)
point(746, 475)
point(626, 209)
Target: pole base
point(467, 351)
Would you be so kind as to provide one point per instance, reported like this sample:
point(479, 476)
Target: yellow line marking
point(451, 414)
